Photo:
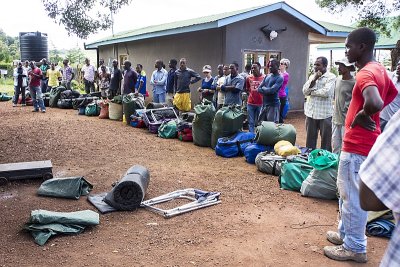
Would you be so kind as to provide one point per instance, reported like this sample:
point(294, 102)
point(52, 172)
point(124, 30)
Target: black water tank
point(33, 46)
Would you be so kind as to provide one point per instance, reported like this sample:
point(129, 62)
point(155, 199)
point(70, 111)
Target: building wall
point(199, 48)
point(292, 43)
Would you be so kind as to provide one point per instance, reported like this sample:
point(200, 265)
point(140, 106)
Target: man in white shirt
point(159, 82)
point(88, 76)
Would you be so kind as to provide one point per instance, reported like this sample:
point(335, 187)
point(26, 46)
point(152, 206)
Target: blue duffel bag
point(252, 150)
point(229, 147)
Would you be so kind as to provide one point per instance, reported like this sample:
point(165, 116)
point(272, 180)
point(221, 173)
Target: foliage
point(334, 70)
point(370, 13)
point(75, 55)
point(55, 56)
point(9, 47)
point(79, 16)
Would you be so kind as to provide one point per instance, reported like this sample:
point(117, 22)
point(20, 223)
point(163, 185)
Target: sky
point(29, 15)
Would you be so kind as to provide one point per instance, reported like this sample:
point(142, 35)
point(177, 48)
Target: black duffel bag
point(64, 103)
point(82, 102)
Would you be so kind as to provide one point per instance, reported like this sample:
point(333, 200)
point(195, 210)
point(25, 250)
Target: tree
point(373, 14)
point(83, 17)
point(75, 55)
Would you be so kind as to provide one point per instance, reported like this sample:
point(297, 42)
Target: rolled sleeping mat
point(153, 105)
point(130, 191)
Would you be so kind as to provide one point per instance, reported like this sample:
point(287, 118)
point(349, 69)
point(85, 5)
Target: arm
point(368, 199)
point(273, 89)
point(196, 76)
point(237, 87)
point(152, 78)
point(214, 83)
point(308, 87)
point(327, 90)
point(373, 103)
point(163, 80)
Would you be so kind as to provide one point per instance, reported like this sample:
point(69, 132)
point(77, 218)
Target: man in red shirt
point(372, 92)
point(255, 100)
point(34, 86)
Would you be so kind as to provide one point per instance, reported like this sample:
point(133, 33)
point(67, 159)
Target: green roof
point(216, 21)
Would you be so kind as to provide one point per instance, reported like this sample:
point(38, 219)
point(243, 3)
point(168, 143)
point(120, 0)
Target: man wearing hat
point(343, 92)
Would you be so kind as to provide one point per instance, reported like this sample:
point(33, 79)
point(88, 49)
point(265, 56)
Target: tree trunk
point(395, 55)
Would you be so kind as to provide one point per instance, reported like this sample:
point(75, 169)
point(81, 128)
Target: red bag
point(185, 135)
point(104, 110)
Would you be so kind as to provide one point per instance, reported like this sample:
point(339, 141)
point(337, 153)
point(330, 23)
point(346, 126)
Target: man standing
point(115, 82)
point(269, 88)
point(44, 82)
point(36, 92)
point(159, 82)
point(233, 86)
point(140, 86)
point(67, 74)
point(379, 188)
point(372, 91)
point(170, 80)
point(88, 76)
point(343, 91)
point(319, 90)
point(20, 83)
point(219, 80)
point(183, 79)
point(53, 75)
point(394, 106)
point(255, 99)
point(130, 78)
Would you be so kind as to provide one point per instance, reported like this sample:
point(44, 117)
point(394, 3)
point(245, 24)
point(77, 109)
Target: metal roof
point(217, 21)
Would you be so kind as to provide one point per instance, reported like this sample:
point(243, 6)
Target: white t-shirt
point(88, 72)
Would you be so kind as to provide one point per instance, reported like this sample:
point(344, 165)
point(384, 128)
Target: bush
point(7, 66)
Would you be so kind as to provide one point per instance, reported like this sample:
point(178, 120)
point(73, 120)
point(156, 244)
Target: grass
point(7, 85)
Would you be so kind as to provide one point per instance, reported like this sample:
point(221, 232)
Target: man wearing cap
point(319, 90)
point(343, 92)
point(159, 82)
point(182, 81)
point(394, 106)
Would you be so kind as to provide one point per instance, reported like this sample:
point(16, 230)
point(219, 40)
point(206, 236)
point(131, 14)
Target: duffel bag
point(168, 129)
point(5, 97)
point(252, 150)
point(320, 184)
point(202, 123)
point(185, 135)
point(187, 116)
point(294, 171)
point(154, 105)
point(103, 110)
point(82, 101)
point(69, 94)
point(322, 159)
point(130, 103)
point(64, 103)
point(137, 119)
point(93, 109)
point(55, 93)
point(270, 163)
point(227, 121)
point(81, 110)
point(234, 146)
point(270, 133)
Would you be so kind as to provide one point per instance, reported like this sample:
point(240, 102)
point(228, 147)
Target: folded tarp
point(127, 194)
point(70, 187)
point(43, 224)
point(380, 227)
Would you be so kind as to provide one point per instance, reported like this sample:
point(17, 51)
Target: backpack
point(168, 129)
point(252, 150)
point(293, 172)
point(229, 147)
point(269, 163)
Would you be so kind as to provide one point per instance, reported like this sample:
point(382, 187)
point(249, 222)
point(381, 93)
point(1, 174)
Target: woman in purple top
point(284, 65)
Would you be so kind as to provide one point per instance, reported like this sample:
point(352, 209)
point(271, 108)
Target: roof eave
point(337, 34)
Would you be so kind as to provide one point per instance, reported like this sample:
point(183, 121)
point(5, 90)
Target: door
point(263, 57)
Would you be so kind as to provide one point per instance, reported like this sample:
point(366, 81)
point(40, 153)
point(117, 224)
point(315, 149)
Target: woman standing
point(206, 83)
point(104, 82)
point(284, 65)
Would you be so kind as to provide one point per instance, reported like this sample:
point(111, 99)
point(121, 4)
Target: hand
point(199, 89)
point(364, 121)
point(317, 75)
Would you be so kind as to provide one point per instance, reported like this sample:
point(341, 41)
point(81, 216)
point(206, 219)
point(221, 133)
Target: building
point(225, 38)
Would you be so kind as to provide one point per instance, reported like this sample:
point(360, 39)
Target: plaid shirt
point(381, 173)
point(319, 103)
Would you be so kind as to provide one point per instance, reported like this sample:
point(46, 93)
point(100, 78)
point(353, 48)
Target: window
point(262, 57)
point(122, 59)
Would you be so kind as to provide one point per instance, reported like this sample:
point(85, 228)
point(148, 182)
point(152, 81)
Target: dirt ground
point(257, 224)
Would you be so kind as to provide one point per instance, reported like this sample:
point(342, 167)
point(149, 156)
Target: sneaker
point(35, 110)
point(14, 105)
point(43, 111)
point(334, 238)
point(339, 253)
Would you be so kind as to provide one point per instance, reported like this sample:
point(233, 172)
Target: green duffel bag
point(202, 123)
point(322, 159)
point(92, 109)
point(293, 172)
point(168, 129)
point(55, 93)
point(227, 121)
point(130, 103)
point(270, 133)
point(5, 97)
point(321, 184)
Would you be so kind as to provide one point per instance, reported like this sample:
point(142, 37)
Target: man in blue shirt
point(159, 82)
point(233, 86)
point(269, 88)
point(140, 86)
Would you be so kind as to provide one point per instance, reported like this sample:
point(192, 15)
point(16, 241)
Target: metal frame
point(199, 199)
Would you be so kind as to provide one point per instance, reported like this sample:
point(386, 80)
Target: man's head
point(226, 69)
point(233, 67)
point(255, 69)
point(19, 64)
point(44, 61)
point(87, 61)
point(159, 64)
point(220, 69)
point(172, 63)
point(247, 68)
point(101, 61)
point(139, 68)
point(52, 66)
point(103, 69)
point(320, 64)
point(32, 64)
point(344, 66)
point(182, 63)
point(115, 63)
point(360, 43)
point(127, 65)
point(274, 66)
point(65, 62)
point(26, 63)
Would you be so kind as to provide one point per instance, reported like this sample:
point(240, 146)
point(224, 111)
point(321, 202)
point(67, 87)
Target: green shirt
point(343, 93)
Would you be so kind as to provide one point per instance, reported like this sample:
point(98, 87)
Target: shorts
point(182, 101)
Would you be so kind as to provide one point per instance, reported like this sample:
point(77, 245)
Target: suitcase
point(153, 118)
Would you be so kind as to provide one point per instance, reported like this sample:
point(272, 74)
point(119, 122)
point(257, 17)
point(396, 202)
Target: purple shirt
point(130, 79)
point(282, 92)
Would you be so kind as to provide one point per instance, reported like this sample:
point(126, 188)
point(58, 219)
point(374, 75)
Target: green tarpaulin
point(70, 187)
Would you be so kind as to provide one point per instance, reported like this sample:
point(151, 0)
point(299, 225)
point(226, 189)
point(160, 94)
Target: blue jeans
point(353, 219)
point(37, 98)
point(252, 116)
point(159, 98)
